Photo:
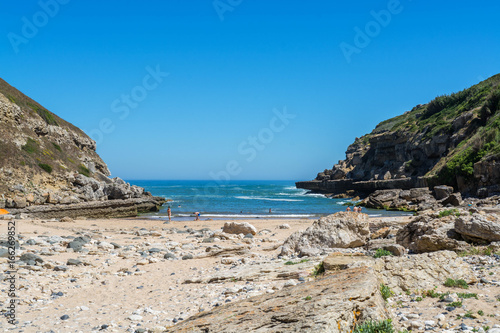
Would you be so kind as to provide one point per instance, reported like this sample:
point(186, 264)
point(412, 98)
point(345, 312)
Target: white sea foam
point(244, 197)
point(251, 215)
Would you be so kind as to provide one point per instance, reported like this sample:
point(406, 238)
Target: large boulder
point(413, 199)
point(19, 202)
point(428, 233)
point(382, 198)
point(239, 228)
point(477, 226)
point(340, 230)
point(454, 199)
point(118, 191)
point(442, 191)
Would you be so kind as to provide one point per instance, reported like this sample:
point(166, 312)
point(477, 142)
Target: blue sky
point(232, 67)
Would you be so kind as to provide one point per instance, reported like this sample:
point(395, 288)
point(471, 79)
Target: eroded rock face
point(340, 230)
point(330, 304)
point(428, 233)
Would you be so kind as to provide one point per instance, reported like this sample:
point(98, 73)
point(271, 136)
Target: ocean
point(243, 199)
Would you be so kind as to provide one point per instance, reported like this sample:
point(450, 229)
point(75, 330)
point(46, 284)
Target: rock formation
point(334, 303)
point(456, 232)
point(340, 230)
point(453, 140)
point(44, 160)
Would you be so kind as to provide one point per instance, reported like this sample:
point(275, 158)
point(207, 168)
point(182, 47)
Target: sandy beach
point(144, 275)
point(131, 286)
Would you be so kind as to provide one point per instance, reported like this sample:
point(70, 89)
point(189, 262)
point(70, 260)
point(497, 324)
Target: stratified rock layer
point(330, 304)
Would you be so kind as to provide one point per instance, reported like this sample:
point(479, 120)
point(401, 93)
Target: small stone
point(31, 258)
point(187, 257)
point(284, 226)
point(429, 323)
point(154, 250)
point(134, 317)
point(440, 317)
point(74, 262)
point(65, 317)
point(248, 236)
point(61, 268)
point(4, 253)
point(169, 255)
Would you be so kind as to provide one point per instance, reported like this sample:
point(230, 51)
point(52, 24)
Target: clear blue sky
point(230, 65)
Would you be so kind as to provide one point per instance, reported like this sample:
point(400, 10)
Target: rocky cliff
point(44, 160)
point(453, 140)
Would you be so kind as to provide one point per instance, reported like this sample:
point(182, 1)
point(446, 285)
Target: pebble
point(134, 317)
point(64, 317)
point(74, 262)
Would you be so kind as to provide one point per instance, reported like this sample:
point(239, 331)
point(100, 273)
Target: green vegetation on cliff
point(34, 141)
point(467, 123)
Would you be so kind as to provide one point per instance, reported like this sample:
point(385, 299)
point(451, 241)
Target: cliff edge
point(453, 140)
point(45, 160)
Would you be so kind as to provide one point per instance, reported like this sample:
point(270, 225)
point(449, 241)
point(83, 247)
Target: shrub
point(83, 170)
point(385, 291)
point(455, 304)
point(381, 253)
point(45, 167)
point(31, 146)
point(46, 115)
point(467, 295)
point(431, 293)
point(57, 147)
point(456, 283)
point(383, 326)
point(296, 263)
point(449, 212)
point(319, 269)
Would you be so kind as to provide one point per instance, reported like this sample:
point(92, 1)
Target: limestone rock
point(330, 304)
point(486, 227)
point(239, 228)
point(422, 271)
point(427, 233)
point(340, 230)
point(442, 191)
point(455, 199)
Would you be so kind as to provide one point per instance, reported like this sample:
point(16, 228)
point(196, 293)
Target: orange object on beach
point(3, 212)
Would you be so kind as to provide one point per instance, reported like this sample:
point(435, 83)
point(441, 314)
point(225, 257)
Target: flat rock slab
point(261, 272)
point(330, 304)
point(95, 209)
point(422, 271)
point(339, 261)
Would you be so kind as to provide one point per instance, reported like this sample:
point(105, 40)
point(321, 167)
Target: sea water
point(243, 199)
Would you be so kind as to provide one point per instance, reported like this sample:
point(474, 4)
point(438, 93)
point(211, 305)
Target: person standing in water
point(169, 212)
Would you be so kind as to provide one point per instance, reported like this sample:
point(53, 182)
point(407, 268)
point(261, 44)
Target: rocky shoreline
point(140, 275)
